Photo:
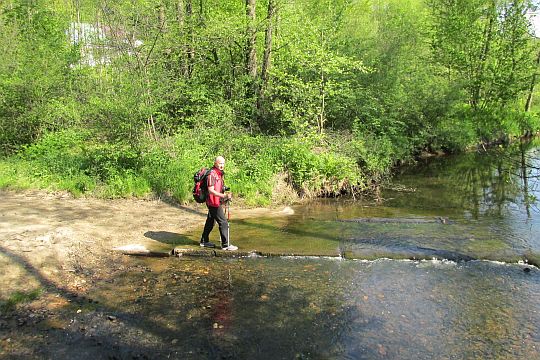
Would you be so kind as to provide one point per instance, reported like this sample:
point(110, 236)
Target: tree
point(309, 69)
point(528, 102)
point(270, 16)
point(486, 46)
point(251, 39)
point(516, 52)
point(34, 72)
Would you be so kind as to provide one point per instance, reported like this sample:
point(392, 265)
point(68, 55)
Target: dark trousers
point(216, 214)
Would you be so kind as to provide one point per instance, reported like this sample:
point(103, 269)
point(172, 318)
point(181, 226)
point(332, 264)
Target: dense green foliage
point(128, 98)
point(73, 160)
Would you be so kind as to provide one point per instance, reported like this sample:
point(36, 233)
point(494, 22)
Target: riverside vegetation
point(303, 98)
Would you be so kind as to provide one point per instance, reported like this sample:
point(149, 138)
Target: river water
point(443, 267)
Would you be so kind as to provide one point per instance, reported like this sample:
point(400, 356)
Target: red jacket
point(215, 179)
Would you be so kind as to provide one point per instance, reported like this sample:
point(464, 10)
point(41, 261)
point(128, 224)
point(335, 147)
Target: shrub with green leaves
point(454, 135)
point(311, 164)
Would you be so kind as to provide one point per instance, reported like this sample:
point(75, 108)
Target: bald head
point(219, 162)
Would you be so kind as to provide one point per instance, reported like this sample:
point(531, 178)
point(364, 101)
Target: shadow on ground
point(170, 238)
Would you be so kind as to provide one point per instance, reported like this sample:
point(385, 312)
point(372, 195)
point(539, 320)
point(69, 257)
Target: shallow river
point(436, 270)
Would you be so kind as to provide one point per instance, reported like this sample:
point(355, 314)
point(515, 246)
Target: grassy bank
point(261, 169)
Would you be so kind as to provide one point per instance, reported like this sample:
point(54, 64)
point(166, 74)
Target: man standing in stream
point(214, 201)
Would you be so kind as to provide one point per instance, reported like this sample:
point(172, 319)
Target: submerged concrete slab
point(217, 252)
point(197, 251)
point(141, 250)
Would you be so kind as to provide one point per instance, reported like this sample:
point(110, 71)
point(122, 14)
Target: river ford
point(443, 267)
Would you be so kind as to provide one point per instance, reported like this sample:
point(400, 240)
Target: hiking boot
point(208, 244)
point(229, 248)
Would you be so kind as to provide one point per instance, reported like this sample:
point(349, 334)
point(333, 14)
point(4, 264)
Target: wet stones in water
point(527, 270)
point(436, 220)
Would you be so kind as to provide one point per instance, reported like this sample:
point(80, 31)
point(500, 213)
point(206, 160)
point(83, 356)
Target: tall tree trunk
point(267, 59)
point(479, 76)
point(201, 13)
point(251, 33)
point(528, 104)
point(190, 40)
point(161, 17)
point(267, 44)
point(181, 20)
point(180, 14)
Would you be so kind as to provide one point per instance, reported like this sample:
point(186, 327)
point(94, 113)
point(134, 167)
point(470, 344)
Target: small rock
point(527, 270)
point(111, 317)
point(381, 350)
point(287, 211)
point(174, 341)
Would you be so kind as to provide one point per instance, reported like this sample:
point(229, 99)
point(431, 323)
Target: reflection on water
point(291, 308)
point(496, 183)
point(491, 195)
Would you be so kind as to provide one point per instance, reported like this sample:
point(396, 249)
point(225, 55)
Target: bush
point(168, 173)
point(70, 160)
point(517, 123)
point(464, 127)
point(314, 169)
point(453, 135)
point(254, 161)
point(105, 161)
point(81, 164)
point(57, 153)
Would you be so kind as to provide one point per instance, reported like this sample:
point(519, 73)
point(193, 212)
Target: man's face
point(220, 164)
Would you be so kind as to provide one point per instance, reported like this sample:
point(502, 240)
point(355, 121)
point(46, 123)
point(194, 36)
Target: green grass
point(76, 162)
point(18, 297)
